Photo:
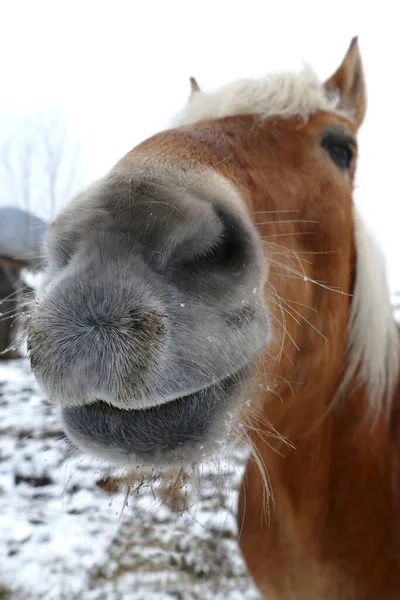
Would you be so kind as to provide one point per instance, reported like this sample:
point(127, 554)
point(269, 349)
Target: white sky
point(119, 71)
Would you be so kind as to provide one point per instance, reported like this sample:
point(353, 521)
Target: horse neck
point(300, 372)
point(308, 295)
point(295, 399)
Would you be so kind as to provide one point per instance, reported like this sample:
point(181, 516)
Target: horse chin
point(174, 434)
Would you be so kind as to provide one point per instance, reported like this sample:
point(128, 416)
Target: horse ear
point(194, 86)
point(349, 81)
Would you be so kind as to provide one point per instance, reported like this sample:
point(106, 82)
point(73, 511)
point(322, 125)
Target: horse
point(220, 277)
point(10, 305)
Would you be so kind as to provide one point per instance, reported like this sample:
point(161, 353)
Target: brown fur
point(335, 530)
point(332, 529)
point(10, 271)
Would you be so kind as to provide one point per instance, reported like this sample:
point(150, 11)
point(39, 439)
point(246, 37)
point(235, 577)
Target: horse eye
point(339, 149)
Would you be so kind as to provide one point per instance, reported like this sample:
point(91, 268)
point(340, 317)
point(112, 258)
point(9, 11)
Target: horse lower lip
point(163, 434)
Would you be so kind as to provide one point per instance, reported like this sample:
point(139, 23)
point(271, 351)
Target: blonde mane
point(373, 350)
point(279, 94)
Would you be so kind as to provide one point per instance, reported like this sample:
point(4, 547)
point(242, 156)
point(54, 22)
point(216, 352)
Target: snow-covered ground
point(64, 536)
point(68, 532)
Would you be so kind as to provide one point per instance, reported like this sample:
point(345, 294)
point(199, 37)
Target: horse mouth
point(179, 432)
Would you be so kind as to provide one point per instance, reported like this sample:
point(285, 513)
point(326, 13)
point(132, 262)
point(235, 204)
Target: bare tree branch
point(40, 165)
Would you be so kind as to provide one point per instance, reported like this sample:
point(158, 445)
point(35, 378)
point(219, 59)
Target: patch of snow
point(64, 536)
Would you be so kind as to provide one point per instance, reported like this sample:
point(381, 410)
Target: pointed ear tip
point(194, 85)
point(354, 45)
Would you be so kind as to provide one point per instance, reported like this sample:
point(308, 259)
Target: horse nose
point(168, 224)
point(147, 301)
point(91, 340)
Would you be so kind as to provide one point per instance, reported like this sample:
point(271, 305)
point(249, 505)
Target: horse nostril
point(218, 253)
point(147, 322)
point(229, 251)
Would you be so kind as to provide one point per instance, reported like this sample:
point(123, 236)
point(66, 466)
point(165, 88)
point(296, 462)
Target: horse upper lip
point(165, 401)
